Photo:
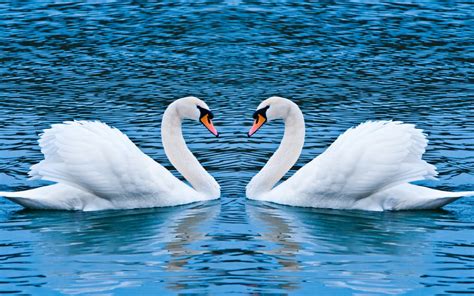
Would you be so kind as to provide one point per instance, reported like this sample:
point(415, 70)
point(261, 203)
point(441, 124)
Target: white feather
point(101, 160)
point(368, 167)
point(97, 167)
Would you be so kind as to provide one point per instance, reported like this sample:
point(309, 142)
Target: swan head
point(268, 110)
point(196, 109)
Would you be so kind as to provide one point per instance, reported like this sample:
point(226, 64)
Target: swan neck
point(182, 158)
point(284, 157)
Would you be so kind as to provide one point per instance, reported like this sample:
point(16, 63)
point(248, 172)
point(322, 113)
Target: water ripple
point(342, 62)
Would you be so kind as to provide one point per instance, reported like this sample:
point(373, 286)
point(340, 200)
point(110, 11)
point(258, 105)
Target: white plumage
point(368, 167)
point(97, 167)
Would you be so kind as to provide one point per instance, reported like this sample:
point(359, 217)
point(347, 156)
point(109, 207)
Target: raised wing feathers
point(368, 158)
point(99, 159)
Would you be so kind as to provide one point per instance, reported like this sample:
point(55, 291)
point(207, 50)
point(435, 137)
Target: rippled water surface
point(342, 62)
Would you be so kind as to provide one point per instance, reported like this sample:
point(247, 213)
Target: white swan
point(97, 167)
point(368, 167)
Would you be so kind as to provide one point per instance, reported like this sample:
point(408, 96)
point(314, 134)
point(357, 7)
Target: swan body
point(97, 167)
point(368, 167)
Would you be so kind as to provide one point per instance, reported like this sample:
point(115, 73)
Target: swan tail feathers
point(23, 198)
point(411, 197)
point(56, 197)
point(440, 199)
point(9, 194)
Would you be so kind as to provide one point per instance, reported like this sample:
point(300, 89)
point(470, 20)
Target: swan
point(97, 167)
point(368, 167)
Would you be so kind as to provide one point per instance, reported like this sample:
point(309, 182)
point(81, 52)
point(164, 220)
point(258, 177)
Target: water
point(342, 62)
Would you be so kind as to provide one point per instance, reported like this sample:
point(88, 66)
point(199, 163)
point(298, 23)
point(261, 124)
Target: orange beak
point(207, 122)
point(259, 121)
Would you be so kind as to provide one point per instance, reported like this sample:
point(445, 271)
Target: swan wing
point(373, 156)
point(101, 160)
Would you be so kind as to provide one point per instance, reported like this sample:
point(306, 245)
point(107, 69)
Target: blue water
point(342, 62)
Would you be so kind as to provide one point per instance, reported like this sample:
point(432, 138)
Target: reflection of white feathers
point(368, 167)
point(163, 239)
point(304, 240)
point(98, 167)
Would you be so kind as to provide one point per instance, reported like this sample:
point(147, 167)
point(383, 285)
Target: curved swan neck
point(284, 157)
point(181, 157)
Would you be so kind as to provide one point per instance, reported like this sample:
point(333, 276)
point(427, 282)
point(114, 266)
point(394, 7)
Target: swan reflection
point(363, 252)
point(113, 249)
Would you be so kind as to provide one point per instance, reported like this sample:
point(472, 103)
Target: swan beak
point(207, 122)
point(259, 121)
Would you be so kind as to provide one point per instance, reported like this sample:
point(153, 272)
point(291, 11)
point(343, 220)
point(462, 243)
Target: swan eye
point(205, 112)
point(205, 118)
point(255, 115)
point(261, 112)
point(260, 117)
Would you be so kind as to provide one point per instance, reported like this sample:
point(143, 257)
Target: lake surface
point(341, 62)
